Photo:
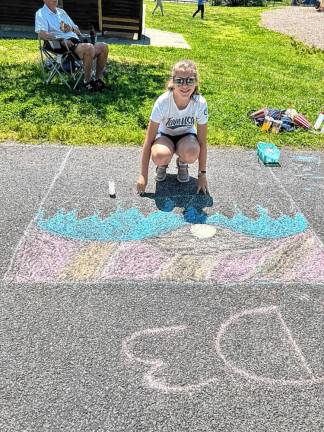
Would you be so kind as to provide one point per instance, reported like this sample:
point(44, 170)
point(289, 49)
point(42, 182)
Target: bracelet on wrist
point(201, 173)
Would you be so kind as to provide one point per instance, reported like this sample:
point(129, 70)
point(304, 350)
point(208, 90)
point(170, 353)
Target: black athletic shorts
point(176, 138)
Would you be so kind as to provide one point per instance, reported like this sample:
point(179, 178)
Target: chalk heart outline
point(156, 365)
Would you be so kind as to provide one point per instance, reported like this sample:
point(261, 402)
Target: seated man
point(52, 22)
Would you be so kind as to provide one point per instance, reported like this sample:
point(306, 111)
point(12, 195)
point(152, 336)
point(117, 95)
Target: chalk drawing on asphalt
point(230, 365)
point(157, 367)
point(166, 246)
point(154, 378)
point(305, 169)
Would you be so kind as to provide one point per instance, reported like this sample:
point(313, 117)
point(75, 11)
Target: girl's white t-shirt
point(172, 120)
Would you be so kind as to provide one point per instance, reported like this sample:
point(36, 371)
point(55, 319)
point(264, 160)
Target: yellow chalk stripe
point(187, 267)
point(87, 263)
point(206, 265)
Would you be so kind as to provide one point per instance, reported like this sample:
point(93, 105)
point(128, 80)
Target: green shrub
point(243, 2)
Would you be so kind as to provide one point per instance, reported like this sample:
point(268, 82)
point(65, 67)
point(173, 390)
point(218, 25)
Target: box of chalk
point(268, 153)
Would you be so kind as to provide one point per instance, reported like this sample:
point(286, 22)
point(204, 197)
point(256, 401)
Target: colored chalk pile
point(268, 153)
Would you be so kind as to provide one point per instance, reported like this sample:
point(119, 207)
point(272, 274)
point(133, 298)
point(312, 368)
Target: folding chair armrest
point(52, 42)
point(54, 38)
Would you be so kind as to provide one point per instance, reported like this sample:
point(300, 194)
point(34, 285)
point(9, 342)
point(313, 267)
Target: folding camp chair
point(56, 62)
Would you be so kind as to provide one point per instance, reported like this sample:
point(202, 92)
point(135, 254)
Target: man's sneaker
point(160, 174)
point(99, 85)
point(183, 173)
point(89, 86)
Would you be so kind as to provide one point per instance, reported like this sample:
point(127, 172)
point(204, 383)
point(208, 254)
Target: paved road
point(168, 312)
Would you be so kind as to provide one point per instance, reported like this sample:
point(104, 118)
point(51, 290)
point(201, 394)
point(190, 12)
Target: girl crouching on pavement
point(172, 130)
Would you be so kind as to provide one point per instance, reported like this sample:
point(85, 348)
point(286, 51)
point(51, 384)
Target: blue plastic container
point(268, 153)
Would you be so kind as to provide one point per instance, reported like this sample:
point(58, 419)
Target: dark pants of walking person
point(200, 8)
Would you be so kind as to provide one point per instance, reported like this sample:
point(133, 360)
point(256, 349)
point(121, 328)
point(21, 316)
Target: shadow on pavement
point(171, 194)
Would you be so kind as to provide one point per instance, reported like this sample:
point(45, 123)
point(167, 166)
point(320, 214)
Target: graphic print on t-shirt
point(174, 123)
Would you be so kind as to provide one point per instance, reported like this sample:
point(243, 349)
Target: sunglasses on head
point(184, 81)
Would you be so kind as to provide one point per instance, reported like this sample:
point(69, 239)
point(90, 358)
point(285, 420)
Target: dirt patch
point(303, 23)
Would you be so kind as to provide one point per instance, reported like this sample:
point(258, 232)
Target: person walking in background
point(201, 8)
point(159, 3)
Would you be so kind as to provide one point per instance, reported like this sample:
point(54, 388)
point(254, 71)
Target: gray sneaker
point(160, 173)
point(183, 173)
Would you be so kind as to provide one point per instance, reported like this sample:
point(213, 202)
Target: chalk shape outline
point(292, 201)
point(157, 364)
point(265, 380)
point(55, 178)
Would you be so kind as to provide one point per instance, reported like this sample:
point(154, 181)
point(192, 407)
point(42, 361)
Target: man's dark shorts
point(63, 48)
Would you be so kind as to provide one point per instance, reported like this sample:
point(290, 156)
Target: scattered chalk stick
point(112, 189)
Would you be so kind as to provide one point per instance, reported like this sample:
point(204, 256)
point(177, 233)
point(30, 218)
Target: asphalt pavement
point(167, 312)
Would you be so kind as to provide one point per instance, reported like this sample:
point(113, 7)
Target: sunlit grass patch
point(242, 67)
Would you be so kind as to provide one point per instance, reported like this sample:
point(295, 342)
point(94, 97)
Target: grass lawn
point(242, 67)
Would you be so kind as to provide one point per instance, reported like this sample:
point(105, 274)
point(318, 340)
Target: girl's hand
point(202, 184)
point(141, 184)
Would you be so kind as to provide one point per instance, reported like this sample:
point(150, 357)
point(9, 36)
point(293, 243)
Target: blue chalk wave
point(264, 226)
point(131, 224)
point(121, 225)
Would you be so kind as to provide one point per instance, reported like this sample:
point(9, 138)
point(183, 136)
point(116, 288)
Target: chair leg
point(53, 65)
point(43, 66)
point(62, 78)
point(56, 72)
point(77, 81)
point(51, 75)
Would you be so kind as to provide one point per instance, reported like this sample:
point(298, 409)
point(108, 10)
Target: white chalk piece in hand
point(111, 188)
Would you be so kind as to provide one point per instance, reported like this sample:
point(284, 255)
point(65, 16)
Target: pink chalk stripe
point(236, 266)
point(41, 257)
point(134, 260)
point(314, 269)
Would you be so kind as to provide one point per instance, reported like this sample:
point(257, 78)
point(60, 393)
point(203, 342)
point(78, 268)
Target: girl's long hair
point(184, 66)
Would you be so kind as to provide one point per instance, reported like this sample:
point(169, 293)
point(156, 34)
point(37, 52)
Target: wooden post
point(100, 14)
point(142, 18)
